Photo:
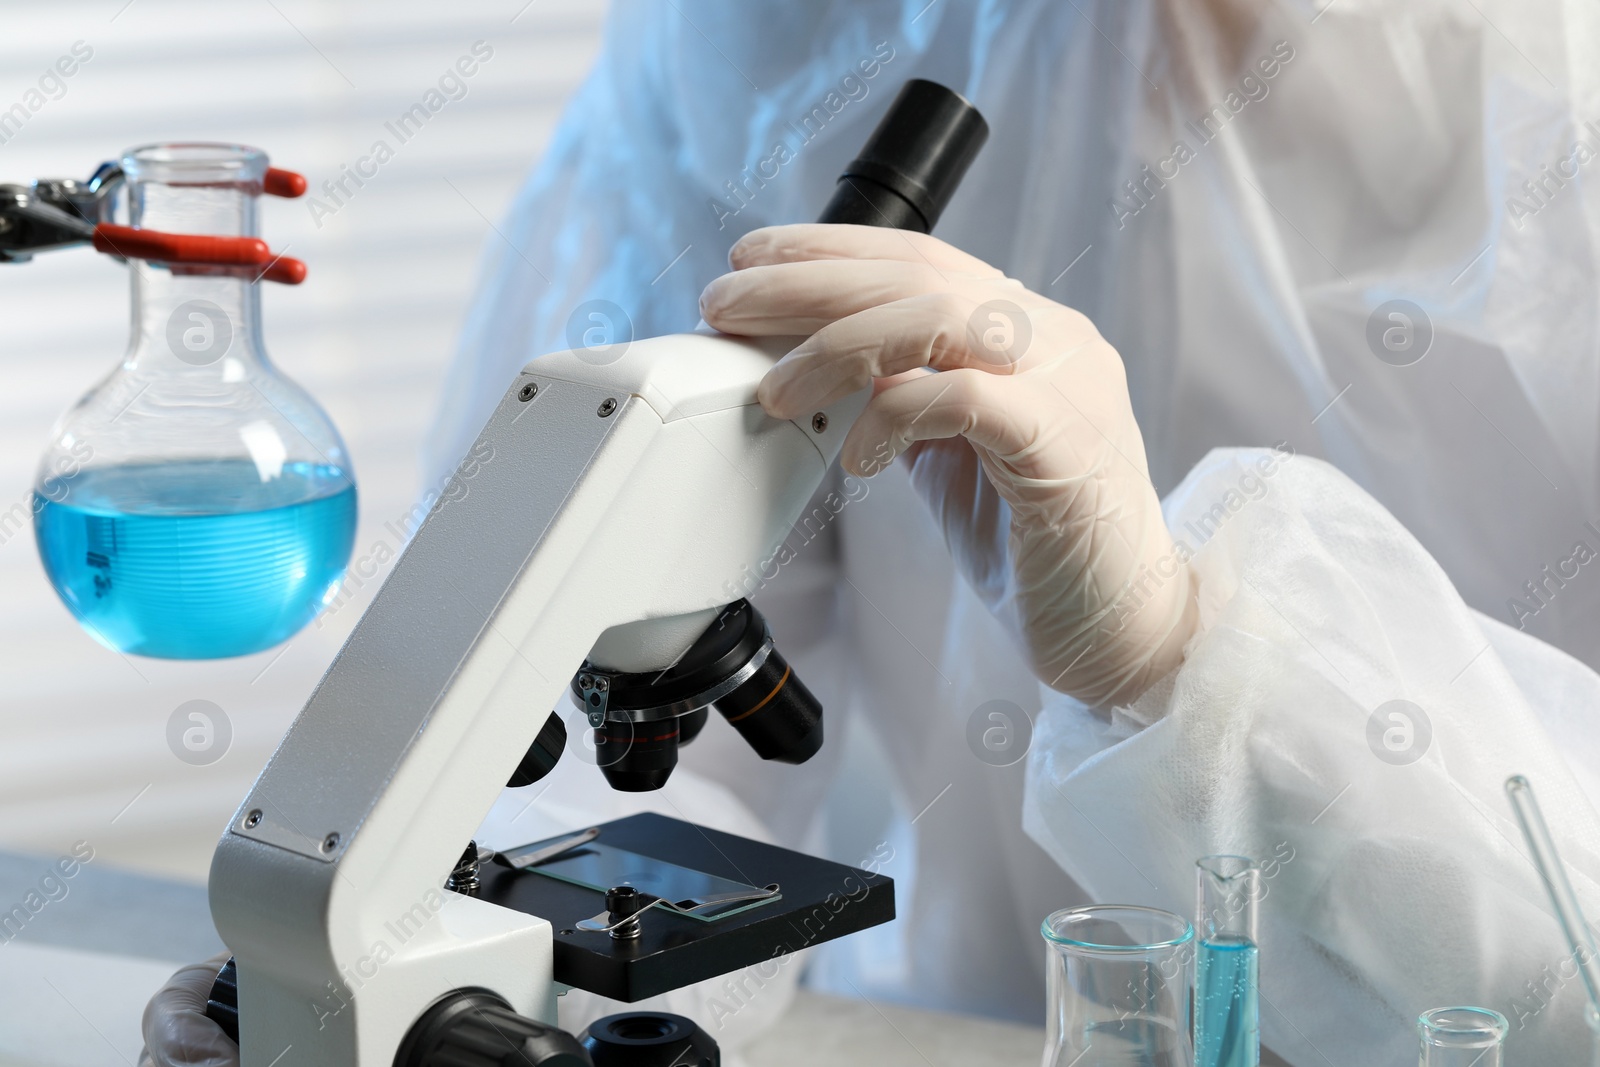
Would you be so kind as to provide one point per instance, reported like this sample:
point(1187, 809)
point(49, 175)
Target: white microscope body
point(622, 501)
point(626, 494)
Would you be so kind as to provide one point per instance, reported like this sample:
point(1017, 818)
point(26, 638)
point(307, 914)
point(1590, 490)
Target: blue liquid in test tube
point(1227, 1019)
point(1227, 1001)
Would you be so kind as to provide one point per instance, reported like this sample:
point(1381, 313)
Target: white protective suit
point(1229, 189)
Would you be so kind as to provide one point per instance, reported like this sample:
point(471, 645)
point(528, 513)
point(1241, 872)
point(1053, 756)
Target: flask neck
point(209, 319)
point(187, 316)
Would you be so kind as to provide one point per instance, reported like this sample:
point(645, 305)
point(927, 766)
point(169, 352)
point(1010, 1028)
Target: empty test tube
point(1462, 1037)
point(1554, 875)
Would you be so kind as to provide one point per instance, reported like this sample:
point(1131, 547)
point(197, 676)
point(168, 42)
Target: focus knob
point(222, 1005)
point(475, 1028)
point(649, 1039)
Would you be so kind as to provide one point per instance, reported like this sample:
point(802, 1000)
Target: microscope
point(591, 557)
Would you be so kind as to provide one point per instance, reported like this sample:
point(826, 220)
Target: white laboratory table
point(74, 982)
point(847, 1032)
point(68, 1008)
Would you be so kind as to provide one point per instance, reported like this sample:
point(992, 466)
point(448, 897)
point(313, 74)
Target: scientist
point(1355, 236)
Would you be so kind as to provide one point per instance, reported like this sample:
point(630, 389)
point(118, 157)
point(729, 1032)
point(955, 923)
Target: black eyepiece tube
point(912, 164)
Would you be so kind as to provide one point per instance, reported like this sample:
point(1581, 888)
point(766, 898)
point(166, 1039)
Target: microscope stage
point(818, 901)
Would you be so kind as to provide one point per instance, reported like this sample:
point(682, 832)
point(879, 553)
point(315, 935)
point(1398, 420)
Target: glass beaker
point(1461, 1037)
point(1119, 980)
point(195, 504)
point(1227, 1006)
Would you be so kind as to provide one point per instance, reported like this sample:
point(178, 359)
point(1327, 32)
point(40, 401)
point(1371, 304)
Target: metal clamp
point(625, 908)
point(54, 213)
point(520, 859)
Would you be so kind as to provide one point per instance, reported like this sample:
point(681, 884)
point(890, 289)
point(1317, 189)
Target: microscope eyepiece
point(905, 175)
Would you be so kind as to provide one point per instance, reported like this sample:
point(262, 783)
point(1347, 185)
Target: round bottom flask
point(195, 504)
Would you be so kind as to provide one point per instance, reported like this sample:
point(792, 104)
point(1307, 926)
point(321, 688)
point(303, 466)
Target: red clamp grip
point(284, 270)
point(131, 243)
point(199, 250)
point(284, 183)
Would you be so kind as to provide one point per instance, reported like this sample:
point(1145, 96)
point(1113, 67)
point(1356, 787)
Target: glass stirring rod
point(1554, 876)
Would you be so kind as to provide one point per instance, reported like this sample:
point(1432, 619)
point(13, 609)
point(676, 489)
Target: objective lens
point(690, 725)
point(543, 754)
point(775, 712)
point(649, 752)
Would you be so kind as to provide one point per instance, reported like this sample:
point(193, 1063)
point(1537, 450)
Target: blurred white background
point(83, 754)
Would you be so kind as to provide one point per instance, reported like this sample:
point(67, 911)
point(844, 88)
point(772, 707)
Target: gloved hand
point(1023, 443)
point(177, 1032)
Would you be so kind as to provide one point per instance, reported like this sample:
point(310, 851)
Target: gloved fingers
point(981, 407)
point(177, 1032)
point(949, 477)
point(812, 240)
point(946, 330)
point(802, 298)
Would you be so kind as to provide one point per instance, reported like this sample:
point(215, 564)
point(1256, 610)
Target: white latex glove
point(1023, 443)
point(176, 1030)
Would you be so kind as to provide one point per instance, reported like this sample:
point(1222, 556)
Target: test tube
point(1462, 1037)
point(1227, 1010)
point(1548, 863)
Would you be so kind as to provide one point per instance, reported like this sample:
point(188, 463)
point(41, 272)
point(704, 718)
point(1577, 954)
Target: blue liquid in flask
point(196, 559)
point(1227, 1031)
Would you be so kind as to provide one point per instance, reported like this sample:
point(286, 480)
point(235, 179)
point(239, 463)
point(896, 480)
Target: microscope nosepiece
point(640, 719)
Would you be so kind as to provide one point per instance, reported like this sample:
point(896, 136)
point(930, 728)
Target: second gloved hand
point(1013, 413)
point(177, 1031)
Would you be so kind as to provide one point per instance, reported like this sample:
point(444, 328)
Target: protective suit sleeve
point(1343, 717)
point(1562, 691)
